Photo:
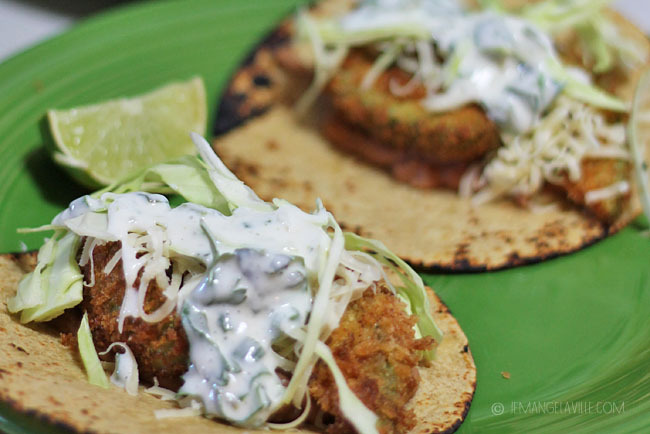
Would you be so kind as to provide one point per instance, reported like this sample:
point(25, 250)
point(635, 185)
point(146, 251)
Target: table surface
point(26, 22)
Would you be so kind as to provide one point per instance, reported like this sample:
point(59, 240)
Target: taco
point(252, 313)
point(498, 136)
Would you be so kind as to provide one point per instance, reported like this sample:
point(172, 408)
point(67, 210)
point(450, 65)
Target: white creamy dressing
point(496, 60)
point(231, 320)
point(508, 66)
point(255, 270)
point(126, 373)
point(257, 291)
point(130, 306)
point(286, 229)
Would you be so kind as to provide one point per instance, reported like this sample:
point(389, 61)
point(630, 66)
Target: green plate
point(573, 333)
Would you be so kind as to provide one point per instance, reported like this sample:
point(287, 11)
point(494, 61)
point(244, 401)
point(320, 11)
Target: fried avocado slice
point(598, 173)
point(161, 349)
point(457, 136)
point(377, 352)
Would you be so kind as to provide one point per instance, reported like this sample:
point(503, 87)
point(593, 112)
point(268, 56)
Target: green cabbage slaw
point(595, 27)
point(207, 182)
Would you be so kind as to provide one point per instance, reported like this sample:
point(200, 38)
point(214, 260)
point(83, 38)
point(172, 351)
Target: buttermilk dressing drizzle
point(245, 279)
point(258, 286)
point(231, 318)
point(242, 283)
point(501, 61)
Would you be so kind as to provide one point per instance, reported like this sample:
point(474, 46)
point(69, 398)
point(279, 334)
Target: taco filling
point(490, 102)
point(246, 311)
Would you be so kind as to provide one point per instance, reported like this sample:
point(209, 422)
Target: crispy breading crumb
point(375, 348)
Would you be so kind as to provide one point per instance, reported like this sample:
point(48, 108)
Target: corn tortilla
point(43, 379)
point(436, 230)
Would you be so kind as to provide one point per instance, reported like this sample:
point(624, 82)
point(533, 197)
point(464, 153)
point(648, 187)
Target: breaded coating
point(456, 136)
point(599, 173)
point(161, 349)
point(375, 348)
point(404, 164)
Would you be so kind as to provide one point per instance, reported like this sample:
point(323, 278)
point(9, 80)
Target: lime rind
point(100, 143)
point(67, 160)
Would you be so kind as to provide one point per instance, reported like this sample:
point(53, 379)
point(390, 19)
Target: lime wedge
point(101, 143)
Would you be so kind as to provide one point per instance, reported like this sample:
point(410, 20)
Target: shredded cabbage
point(553, 15)
point(160, 392)
point(600, 37)
point(537, 149)
point(326, 61)
point(352, 408)
point(637, 148)
point(553, 152)
point(55, 284)
point(235, 192)
point(30, 293)
point(412, 291)
point(394, 27)
point(585, 92)
point(186, 176)
point(297, 387)
point(93, 366)
point(340, 268)
point(296, 422)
